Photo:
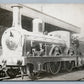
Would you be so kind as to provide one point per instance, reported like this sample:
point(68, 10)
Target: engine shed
point(28, 14)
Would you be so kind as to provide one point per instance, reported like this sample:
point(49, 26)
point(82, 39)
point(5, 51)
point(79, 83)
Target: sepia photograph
point(41, 42)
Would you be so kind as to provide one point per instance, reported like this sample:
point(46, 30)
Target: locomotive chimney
point(16, 16)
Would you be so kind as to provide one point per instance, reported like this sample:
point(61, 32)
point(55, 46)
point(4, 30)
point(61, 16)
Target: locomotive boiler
point(33, 52)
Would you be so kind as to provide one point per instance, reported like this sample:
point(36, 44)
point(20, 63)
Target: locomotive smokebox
point(16, 16)
point(38, 26)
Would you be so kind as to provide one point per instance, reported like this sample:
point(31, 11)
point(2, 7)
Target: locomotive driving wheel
point(55, 67)
point(69, 66)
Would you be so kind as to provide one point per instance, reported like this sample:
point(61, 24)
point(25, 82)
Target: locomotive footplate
point(38, 61)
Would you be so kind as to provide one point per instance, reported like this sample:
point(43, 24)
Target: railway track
point(8, 78)
point(75, 75)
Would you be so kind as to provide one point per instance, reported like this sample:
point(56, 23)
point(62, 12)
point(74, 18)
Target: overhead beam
point(30, 12)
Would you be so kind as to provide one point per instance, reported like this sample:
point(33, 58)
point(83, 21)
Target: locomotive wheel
point(11, 73)
point(55, 67)
point(69, 66)
point(32, 75)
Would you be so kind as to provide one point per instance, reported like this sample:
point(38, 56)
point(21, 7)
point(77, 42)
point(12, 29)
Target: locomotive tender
point(37, 51)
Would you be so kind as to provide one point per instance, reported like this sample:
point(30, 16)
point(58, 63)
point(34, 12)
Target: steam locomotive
point(33, 52)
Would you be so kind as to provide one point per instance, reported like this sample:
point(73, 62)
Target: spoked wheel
point(55, 67)
point(69, 66)
point(11, 73)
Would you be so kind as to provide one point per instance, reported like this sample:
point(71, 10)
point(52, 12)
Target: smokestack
point(16, 16)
